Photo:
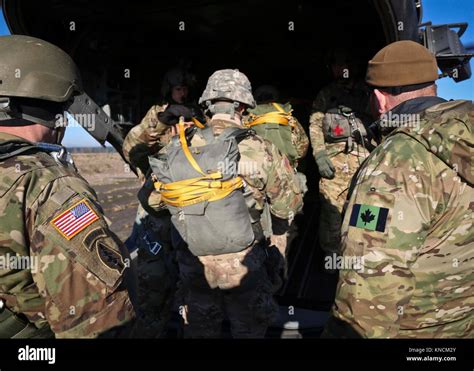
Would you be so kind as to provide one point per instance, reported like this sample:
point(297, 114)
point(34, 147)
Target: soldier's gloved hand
point(170, 116)
point(279, 225)
point(325, 166)
point(197, 113)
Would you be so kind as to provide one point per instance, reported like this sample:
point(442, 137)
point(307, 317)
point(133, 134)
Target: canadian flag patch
point(74, 220)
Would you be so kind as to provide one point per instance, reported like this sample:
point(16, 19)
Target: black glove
point(279, 226)
point(325, 166)
point(170, 116)
point(197, 113)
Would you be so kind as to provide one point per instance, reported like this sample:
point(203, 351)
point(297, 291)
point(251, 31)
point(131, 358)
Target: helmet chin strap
point(59, 134)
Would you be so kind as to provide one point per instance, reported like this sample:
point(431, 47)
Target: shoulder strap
point(188, 133)
point(17, 149)
point(278, 107)
point(238, 134)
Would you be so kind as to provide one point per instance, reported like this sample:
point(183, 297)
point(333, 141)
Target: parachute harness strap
point(198, 123)
point(208, 187)
point(280, 117)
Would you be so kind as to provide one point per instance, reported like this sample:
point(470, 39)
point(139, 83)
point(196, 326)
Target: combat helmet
point(228, 85)
point(37, 80)
point(266, 93)
point(176, 77)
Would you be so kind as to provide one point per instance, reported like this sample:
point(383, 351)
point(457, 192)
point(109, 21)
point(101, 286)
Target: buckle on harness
point(154, 247)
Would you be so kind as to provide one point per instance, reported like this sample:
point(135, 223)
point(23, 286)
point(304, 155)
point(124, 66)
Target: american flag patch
point(74, 220)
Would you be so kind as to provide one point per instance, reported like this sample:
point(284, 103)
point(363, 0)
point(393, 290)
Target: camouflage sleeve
point(281, 187)
point(386, 223)
point(82, 264)
point(299, 138)
point(146, 138)
point(316, 133)
point(316, 122)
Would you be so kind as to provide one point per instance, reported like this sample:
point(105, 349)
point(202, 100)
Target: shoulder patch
point(93, 236)
point(369, 217)
point(110, 258)
point(74, 220)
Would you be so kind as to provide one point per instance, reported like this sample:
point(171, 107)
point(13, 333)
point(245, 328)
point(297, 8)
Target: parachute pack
point(274, 123)
point(203, 192)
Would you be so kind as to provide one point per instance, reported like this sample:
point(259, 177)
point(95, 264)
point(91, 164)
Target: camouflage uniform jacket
point(76, 281)
point(146, 139)
point(350, 93)
point(410, 219)
point(299, 139)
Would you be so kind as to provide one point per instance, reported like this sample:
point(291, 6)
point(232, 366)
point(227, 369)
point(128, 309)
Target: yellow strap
point(278, 107)
point(192, 191)
point(270, 118)
point(198, 123)
point(280, 117)
point(187, 152)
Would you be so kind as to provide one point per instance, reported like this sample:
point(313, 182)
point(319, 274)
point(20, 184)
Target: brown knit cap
point(402, 63)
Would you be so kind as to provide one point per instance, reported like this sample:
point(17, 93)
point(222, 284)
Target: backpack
point(275, 126)
point(203, 192)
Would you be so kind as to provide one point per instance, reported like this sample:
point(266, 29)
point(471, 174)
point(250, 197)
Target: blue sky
point(437, 11)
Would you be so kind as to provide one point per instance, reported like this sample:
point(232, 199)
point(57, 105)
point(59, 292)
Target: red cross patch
point(338, 131)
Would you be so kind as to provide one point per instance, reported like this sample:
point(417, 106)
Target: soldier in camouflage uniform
point(265, 96)
point(240, 285)
point(336, 162)
point(73, 285)
point(410, 210)
point(152, 233)
point(143, 139)
point(295, 148)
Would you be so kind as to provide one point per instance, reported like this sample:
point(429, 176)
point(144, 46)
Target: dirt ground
point(116, 186)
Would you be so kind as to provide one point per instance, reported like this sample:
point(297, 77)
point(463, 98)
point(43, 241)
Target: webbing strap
point(280, 117)
point(198, 123)
point(188, 192)
point(278, 107)
point(187, 152)
point(193, 191)
point(17, 152)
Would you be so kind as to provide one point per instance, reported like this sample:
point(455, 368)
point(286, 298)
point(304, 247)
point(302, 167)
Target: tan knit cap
point(402, 63)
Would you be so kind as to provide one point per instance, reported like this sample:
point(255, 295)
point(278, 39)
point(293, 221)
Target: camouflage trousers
point(333, 194)
point(235, 286)
point(157, 274)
